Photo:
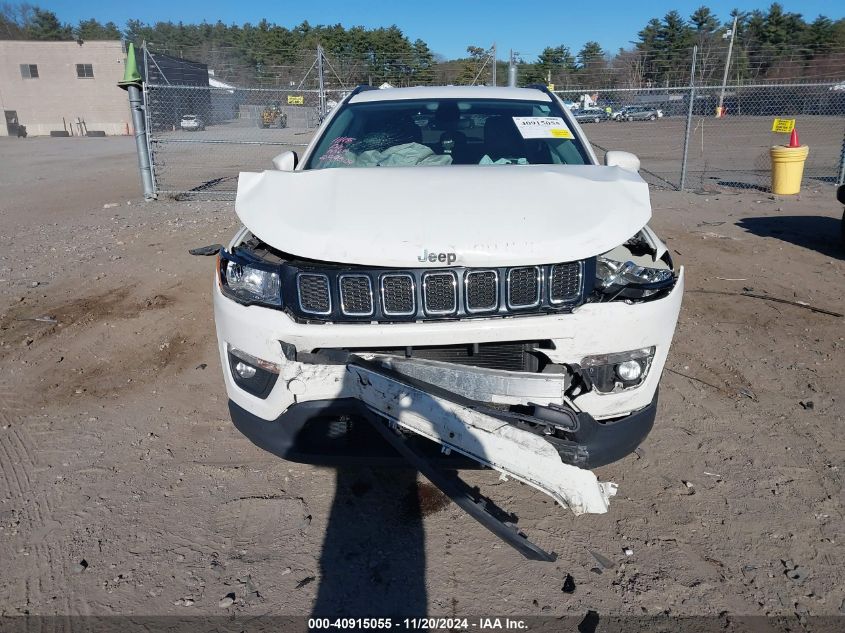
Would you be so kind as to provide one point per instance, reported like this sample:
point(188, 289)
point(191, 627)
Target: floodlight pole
point(322, 92)
point(727, 68)
point(683, 182)
point(512, 72)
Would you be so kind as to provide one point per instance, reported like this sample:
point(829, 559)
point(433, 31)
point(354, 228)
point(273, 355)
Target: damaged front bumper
point(311, 412)
point(330, 433)
point(517, 445)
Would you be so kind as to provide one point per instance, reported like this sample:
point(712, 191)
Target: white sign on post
point(542, 127)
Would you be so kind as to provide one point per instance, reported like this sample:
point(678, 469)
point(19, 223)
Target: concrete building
point(65, 87)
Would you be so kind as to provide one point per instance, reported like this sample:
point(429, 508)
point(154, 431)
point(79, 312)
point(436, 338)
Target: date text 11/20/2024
point(446, 624)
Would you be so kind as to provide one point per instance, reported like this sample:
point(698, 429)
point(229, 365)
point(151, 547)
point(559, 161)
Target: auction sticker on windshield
point(542, 127)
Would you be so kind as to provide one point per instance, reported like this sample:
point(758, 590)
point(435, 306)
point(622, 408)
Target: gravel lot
point(124, 488)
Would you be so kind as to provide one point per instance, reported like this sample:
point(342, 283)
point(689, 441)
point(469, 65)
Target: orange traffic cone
point(793, 139)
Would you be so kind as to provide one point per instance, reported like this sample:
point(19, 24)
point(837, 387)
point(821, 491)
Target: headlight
point(248, 284)
point(616, 276)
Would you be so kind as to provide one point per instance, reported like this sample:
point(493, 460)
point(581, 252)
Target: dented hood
point(477, 216)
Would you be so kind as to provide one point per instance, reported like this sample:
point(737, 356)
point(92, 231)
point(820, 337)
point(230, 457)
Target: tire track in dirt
point(46, 589)
point(17, 464)
point(46, 575)
point(13, 480)
point(10, 407)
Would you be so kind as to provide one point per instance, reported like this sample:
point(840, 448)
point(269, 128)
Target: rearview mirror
point(286, 161)
point(625, 160)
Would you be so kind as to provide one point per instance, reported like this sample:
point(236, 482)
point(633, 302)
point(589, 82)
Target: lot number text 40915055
point(445, 624)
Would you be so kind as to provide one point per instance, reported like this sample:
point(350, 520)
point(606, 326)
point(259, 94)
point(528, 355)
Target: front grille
point(482, 290)
point(524, 287)
point(565, 284)
point(314, 296)
point(440, 293)
point(363, 294)
point(397, 295)
point(356, 295)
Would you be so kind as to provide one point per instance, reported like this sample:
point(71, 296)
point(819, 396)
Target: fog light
point(254, 375)
point(629, 371)
point(244, 371)
point(611, 373)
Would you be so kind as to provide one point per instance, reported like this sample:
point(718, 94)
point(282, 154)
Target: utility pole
point(512, 71)
point(321, 108)
point(494, 63)
point(720, 112)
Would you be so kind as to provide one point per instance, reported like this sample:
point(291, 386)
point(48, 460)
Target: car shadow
point(819, 233)
point(372, 563)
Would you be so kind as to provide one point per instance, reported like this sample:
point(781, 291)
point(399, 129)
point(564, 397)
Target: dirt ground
point(124, 488)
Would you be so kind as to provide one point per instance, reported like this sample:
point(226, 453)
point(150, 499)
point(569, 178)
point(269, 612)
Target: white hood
point(486, 216)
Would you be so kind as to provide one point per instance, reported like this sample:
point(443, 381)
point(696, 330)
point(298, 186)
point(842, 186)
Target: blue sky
point(447, 25)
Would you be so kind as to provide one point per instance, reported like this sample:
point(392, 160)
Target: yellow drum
point(788, 168)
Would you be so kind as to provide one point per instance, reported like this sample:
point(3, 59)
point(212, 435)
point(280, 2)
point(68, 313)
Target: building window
point(29, 71)
point(84, 71)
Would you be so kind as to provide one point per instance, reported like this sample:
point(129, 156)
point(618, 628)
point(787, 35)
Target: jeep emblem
point(445, 258)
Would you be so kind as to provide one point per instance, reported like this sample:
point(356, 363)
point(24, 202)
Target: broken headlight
point(627, 279)
point(248, 284)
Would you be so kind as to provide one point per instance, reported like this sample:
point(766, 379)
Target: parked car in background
point(590, 115)
point(191, 123)
point(638, 113)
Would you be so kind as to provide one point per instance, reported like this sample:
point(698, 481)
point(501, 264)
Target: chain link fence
point(201, 137)
point(731, 151)
point(205, 124)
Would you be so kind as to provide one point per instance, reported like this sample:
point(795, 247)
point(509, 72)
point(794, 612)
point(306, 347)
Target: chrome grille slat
point(440, 292)
point(524, 287)
point(398, 294)
point(356, 295)
point(313, 292)
point(481, 289)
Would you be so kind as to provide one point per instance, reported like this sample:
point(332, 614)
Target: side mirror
point(625, 160)
point(286, 161)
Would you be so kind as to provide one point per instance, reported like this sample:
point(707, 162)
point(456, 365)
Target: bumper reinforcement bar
point(466, 498)
point(495, 439)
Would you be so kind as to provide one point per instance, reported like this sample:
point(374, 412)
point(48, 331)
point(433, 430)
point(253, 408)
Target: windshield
point(441, 132)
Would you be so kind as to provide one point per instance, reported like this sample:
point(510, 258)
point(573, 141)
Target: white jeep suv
point(453, 260)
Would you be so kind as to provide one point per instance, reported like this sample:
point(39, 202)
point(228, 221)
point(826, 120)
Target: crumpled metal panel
point(489, 440)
